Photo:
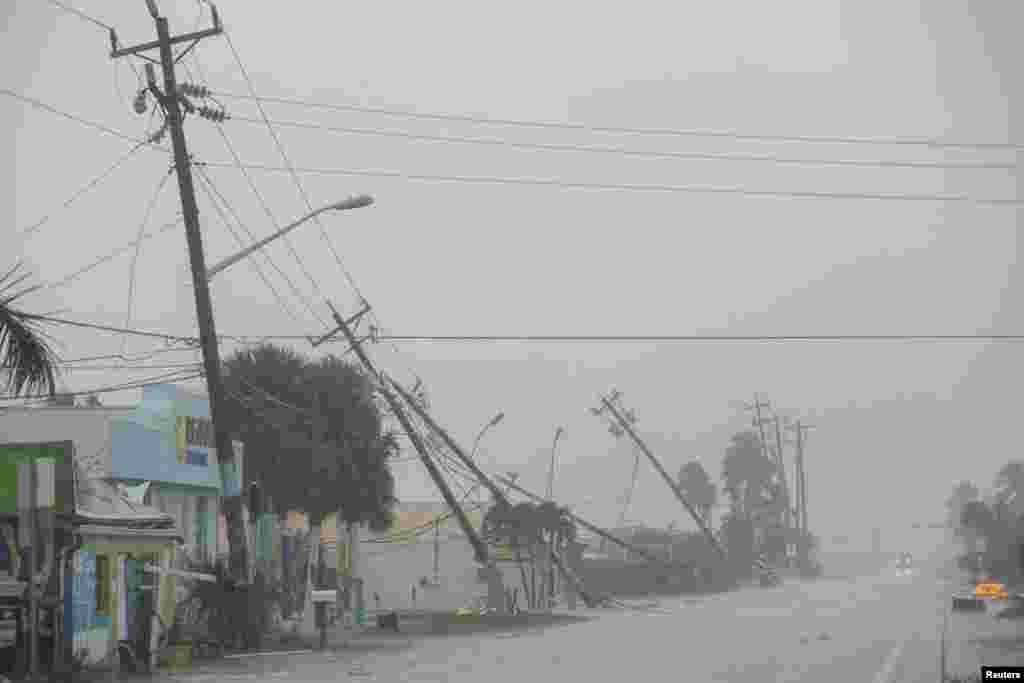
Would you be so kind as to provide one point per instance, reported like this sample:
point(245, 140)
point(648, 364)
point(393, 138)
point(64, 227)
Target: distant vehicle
point(906, 561)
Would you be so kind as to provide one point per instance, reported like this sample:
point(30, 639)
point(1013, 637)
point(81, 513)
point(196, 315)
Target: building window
point(103, 584)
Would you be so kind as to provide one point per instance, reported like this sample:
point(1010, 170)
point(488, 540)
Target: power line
point(128, 359)
point(196, 365)
point(693, 156)
point(138, 247)
point(78, 119)
point(273, 221)
point(624, 130)
point(92, 184)
point(82, 15)
point(288, 163)
point(705, 338)
point(560, 338)
point(168, 378)
point(628, 187)
point(266, 120)
point(207, 186)
point(111, 328)
point(109, 257)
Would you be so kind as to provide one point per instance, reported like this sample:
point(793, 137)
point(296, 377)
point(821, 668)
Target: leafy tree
point(978, 516)
point(27, 363)
point(698, 489)
point(1010, 482)
point(963, 493)
point(314, 433)
point(746, 474)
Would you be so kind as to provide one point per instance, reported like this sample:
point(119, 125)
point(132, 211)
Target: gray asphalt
point(881, 627)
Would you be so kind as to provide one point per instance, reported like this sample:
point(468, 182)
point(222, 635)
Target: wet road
point(878, 628)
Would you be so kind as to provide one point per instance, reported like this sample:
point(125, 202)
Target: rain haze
point(497, 229)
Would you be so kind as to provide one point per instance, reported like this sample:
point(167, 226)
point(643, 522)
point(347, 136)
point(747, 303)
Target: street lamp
point(551, 470)
point(476, 442)
point(351, 203)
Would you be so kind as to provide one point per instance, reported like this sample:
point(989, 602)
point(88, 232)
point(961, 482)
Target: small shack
point(117, 598)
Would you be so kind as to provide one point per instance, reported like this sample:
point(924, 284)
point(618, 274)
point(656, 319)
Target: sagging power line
point(625, 130)
point(245, 338)
point(631, 187)
point(643, 154)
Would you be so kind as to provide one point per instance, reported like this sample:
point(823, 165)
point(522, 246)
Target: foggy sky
point(897, 423)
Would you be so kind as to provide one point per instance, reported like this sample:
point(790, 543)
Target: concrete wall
point(392, 569)
point(88, 428)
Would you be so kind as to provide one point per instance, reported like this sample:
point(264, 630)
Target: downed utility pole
point(627, 426)
point(496, 491)
point(642, 552)
point(495, 591)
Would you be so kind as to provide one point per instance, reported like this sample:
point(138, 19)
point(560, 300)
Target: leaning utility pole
point(626, 426)
point(172, 101)
point(801, 478)
point(787, 514)
point(756, 406)
point(495, 490)
point(496, 591)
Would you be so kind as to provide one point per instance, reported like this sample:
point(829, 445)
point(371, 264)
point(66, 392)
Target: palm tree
point(698, 488)
point(27, 363)
point(963, 493)
point(746, 473)
point(1010, 482)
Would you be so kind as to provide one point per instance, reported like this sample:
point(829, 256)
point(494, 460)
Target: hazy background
point(897, 422)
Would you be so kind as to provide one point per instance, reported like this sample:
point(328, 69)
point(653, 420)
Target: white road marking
point(884, 674)
point(268, 654)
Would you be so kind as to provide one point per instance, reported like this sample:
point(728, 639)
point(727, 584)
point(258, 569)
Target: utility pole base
point(496, 591)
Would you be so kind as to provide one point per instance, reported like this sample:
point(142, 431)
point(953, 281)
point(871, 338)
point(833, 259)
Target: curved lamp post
point(476, 442)
point(351, 203)
point(551, 470)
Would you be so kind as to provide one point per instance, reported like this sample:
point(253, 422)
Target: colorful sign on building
point(55, 487)
point(168, 438)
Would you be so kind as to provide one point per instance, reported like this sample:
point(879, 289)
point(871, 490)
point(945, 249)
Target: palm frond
point(27, 363)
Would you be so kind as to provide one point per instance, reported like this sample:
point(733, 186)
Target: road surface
point(881, 627)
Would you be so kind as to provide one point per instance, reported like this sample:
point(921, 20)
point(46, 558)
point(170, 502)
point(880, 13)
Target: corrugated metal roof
point(100, 501)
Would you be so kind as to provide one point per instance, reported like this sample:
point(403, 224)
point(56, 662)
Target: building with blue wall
point(167, 442)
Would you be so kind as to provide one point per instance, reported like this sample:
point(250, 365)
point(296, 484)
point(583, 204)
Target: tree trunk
point(522, 568)
point(533, 576)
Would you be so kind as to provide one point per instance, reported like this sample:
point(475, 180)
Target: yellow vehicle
point(991, 591)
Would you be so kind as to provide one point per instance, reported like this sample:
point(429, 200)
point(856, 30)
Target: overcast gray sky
point(897, 423)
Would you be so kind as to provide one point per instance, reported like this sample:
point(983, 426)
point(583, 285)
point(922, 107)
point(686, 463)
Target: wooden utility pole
point(496, 592)
point(627, 427)
point(495, 490)
point(801, 479)
point(173, 102)
point(756, 406)
point(787, 502)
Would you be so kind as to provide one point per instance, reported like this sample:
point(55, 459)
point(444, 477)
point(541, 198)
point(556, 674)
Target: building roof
point(100, 502)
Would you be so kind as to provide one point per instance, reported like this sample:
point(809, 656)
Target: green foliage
point(27, 363)
point(963, 493)
point(746, 473)
point(314, 434)
point(999, 522)
point(698, 489)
